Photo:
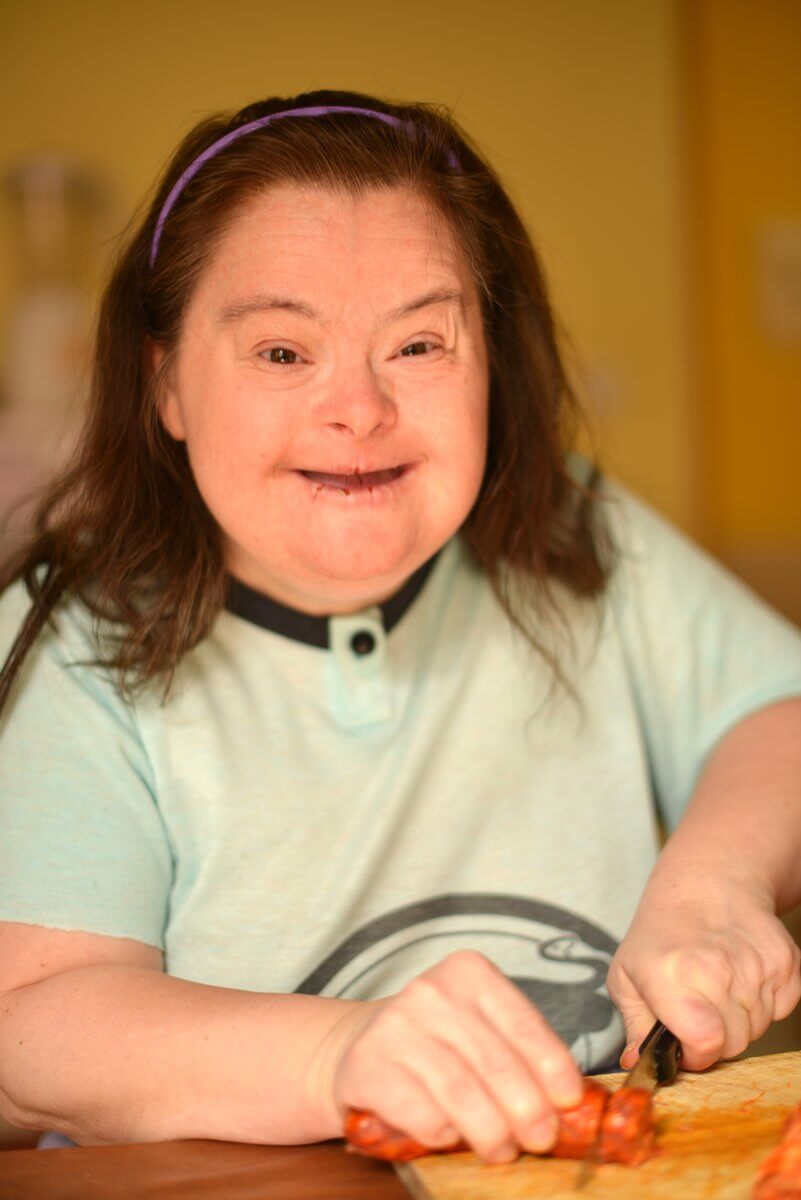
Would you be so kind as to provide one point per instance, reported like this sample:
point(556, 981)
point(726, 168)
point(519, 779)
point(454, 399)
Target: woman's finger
point(760, 1014)
point(788, 992)
point(523, 1026)
point(737, 1023)
point(638, 1017)
point(408, 1105)
point(460, 1095)
point(696, 1022)
point(493, 1058)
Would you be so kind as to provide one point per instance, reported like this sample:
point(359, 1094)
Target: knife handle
point(666, 1050)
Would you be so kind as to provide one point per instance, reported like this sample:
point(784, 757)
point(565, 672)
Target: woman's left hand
point(707, 956)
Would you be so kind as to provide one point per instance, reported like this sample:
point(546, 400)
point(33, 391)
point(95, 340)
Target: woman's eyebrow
point(437, 296)
point(259, 304)
point(246, 307)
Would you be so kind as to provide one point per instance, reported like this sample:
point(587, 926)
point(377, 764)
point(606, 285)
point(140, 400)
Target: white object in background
point(46, 349)
point(45, 345)
point(44, 388)
point(779, 279)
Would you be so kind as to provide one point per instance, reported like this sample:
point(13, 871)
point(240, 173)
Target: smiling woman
point(337, 434)
point(294, 158)
point(345, 694)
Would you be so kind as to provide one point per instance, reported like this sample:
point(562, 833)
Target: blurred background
point(653, 147)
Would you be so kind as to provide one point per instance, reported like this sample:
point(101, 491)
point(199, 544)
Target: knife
point(657, 1065)
point(658, 1061)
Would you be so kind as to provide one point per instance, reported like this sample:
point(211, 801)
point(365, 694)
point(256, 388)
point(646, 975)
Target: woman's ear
point(168, 405)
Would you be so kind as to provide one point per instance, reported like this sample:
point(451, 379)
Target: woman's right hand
point(458, 1054)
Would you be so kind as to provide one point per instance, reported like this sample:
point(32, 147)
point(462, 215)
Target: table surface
point(201, 1170)
point(325, 1171)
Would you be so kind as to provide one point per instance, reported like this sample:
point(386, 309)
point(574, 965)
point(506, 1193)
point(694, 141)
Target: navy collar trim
point(259, 609)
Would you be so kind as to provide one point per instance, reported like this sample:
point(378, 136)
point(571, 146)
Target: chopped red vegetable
point(628, 1134)
point(578, 1127)
point(626, 1119)
point(780, 1174)
point(367, 1134)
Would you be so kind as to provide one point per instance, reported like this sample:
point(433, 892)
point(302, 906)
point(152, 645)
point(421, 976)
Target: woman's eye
point(417, 348)
point(281, 355)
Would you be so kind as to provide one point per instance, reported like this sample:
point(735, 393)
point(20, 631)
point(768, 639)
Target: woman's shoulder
point(663, 578)
point(61, 657)
point(648, 544)
point(629, 520)
point(69, 628)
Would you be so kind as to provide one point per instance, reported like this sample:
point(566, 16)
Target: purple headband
point(226, 140)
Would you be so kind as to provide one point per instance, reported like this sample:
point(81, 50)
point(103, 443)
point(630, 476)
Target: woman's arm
point(745, 814)
point(113, 1050)
point(118, 1051)
point(706, 952)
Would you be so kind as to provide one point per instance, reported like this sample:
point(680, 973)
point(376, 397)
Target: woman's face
point(331, 386)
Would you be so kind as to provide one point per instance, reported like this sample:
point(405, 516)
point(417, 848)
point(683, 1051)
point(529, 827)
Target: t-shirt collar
point(260, 609)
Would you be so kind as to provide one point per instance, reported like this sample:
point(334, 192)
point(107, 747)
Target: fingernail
point(447, 1136)
point(567, 1091)
point(629, 1050)
point(541, 1136)
point(506, 1153)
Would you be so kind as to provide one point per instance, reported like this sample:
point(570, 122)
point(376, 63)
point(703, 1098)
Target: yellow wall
point(742, 70)
point(747, 98)
point(575, 101)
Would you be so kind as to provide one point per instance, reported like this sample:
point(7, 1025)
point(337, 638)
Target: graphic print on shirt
point(558, 960)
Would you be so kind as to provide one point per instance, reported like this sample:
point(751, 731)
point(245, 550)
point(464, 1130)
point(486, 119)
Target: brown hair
point(125, 529)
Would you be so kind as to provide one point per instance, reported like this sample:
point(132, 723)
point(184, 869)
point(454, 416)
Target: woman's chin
point(345, 567)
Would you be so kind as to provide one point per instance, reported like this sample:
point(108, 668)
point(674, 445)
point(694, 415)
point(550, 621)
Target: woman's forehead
point(336, 215)
point(383, 238)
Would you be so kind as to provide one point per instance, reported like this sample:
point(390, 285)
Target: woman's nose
point(359, 404)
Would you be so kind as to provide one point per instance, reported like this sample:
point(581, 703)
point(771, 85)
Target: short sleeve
point(82, 843)
point(701, 650)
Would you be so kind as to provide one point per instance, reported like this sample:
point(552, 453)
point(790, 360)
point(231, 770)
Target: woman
point(334, 782)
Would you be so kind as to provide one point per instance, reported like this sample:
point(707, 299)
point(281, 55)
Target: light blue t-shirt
point(334, 819)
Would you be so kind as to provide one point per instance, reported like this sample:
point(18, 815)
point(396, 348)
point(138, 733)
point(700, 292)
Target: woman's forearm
point(745, 814)
point(120, 1054)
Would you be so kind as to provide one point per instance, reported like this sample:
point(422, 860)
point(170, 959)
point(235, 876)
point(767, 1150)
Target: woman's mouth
point(357, 483)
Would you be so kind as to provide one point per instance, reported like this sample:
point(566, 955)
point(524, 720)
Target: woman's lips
point(358, 487)
point(367, 479)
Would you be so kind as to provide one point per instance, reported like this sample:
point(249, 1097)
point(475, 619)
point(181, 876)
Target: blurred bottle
point(44, 353)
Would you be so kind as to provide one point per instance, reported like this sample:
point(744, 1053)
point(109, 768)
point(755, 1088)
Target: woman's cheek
point(242, 425)
point(462, 417)
point(225, 460)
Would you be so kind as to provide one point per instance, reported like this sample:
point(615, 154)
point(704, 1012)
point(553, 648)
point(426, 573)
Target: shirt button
point(362, 642)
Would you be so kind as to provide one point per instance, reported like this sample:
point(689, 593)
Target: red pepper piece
point(780, 1174)
point(578, 1127)
point(628, 1131)
point(367, 1134)
point(626, 1119)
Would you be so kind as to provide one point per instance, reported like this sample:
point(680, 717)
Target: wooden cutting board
point(714, 1130)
